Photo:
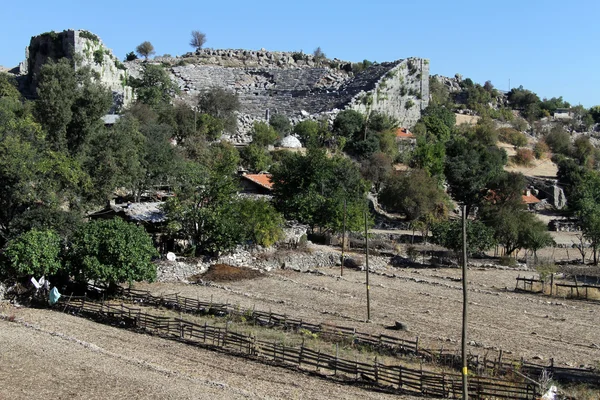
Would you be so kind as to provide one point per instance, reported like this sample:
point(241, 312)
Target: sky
point(548, 46)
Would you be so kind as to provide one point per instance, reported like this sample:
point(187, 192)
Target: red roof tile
point(263, 180)
point(403, 133)
point(530, 199)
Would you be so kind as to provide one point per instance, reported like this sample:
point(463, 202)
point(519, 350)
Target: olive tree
point(145, 49)
point(198, 39)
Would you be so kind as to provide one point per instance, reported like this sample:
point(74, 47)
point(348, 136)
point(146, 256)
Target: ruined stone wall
point(296, 85)
point(87, 50)
point(304, 88)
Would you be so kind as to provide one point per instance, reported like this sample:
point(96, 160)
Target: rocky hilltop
point(87, 49)
point(293, 84)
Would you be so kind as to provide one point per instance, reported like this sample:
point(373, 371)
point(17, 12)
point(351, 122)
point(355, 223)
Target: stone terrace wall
point(303, 88)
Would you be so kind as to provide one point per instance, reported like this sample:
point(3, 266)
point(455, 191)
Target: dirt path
point(46, 354)
point(429, 302)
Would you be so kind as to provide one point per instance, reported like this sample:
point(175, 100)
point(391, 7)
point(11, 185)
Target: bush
point(512, 136)
point(508, 261)
point(36, 252)
point(112, 251)
point(130, 56)
point(99, 56)
point(541, 150)
point(524, 157)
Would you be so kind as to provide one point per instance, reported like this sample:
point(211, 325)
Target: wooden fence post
point(400, 377)
point(376, 370)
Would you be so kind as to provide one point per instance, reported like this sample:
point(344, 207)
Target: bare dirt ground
point(466, 119)
point(429, 301)
point(46, 354)
point(544, 168)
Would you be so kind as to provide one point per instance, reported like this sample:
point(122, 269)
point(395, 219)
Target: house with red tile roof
point(404, 134)
point(257, 183)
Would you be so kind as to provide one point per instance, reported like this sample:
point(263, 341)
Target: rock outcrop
point(86, 50)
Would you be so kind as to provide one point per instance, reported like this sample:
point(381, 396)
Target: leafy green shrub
point(298, 56)
point(112, 251)
point(89, 35)
point(512, 136)
point(99, 56)
point(409, 104)
point(36, 252)
point(130, 56)
point(508, 261)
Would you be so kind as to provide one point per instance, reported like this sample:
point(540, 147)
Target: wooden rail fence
point(577, 289)
point(394, 378)
point(498, 366)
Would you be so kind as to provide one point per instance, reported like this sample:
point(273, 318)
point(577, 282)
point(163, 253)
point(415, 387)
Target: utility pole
point(343, 238)
point(465, 369)
point(367, 269)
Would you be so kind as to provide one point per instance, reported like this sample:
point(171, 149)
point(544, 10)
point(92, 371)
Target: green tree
point(441, 113)
point(312, 133)
point(377, 169)
point(414, 194)
point(112, 252)
point(469, 168)
point(198, 39)
point(57, 92)
point(256, 158)
point(116, 159)
point(145, 49)
point(130, 56)
point(586, 204)
point(319, 55)
point(205, 210)
point(35, 253)
point(449, 234)
point(349, 124)
point(281, 124)
point(429, 156)
point(264, 134)
point(154, 87)
point(222, 104)
point(595, 113)
point(312, 188)
point(559, 140)
point(263, 224)
point(8, 86)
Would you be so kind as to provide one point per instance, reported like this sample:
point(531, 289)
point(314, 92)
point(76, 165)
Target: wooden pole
point(465, 369)
point(367, 269)
point(343, 238)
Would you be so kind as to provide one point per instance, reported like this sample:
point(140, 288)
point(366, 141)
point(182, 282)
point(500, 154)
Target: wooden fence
point(576, 289)
point(394, 378)
point(497, 366)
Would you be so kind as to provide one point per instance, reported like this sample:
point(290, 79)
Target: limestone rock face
point(291, 142)
point(88, 50)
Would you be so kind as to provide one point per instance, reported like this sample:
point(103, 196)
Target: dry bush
point(524, 157)
point(541, 150)
point(229, 273)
